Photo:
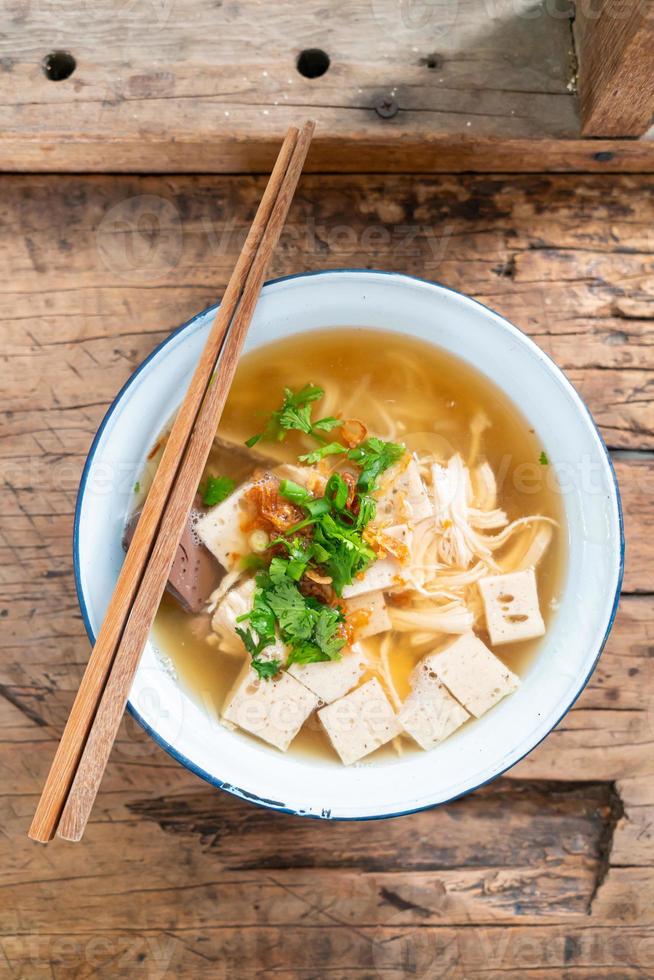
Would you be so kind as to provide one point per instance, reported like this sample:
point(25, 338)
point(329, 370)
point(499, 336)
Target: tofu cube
point(367, 614)
point(360, 722)
point(511, 607)
point(331, 679)
point(273, 710)
point(472, 674)
point(403, 496)
point(430, 714)
point(383, 574)
point(220, 530)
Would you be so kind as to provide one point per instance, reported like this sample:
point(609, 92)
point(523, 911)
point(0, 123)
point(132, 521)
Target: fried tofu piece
point(360, 722)
point(403, 497)
point(367, 614)
point(273, 710)
point(472, 674)
point(511, 607)
point(331, 679)
point(221, 531)
point(430, 714)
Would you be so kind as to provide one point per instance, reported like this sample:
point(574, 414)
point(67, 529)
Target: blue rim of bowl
point(179, 756)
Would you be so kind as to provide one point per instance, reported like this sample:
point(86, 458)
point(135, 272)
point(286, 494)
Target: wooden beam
point(615, 45)
point(458, 87)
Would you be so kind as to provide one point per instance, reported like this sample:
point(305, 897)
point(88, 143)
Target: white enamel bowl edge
point(568, 435)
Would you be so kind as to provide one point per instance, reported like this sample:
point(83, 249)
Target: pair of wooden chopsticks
point(92, 725)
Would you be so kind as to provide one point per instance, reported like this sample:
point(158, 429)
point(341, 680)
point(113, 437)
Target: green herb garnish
point(252, 563)
point(294, 492)
point(295, 413)
point(266, 669)
point(374, 456)
point(542, 459)
point(137, 487)
point(331, 449)
point(218, 488)
point(309, 628)
point(332, 542)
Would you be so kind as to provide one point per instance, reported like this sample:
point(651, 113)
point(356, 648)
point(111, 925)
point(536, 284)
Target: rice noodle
point(450, 617)
point(384, 650)
point(479, 424)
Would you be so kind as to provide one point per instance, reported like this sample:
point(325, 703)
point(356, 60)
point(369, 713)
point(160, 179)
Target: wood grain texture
point(615, 47)
point(183, 85)
point(547, 873)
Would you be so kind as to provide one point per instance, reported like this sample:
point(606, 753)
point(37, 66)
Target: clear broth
point(425, 390)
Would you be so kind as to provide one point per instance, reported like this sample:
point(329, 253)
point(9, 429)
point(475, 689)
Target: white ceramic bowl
point(570, 651)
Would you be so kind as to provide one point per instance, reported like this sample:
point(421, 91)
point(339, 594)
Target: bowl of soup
point(403, 560)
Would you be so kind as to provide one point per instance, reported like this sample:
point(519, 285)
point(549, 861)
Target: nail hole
point(432, 61)
point(58, 65)
point(312, 62)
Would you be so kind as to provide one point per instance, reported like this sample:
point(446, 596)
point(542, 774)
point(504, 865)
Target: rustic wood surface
point(204, 86)
point(545, 873)
point(616, 69)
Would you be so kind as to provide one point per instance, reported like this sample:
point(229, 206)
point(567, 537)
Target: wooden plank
point(471, 86)
point(615, 42)
point(463, 866)
point(567, 263)
point(391, 151)
point(546, 872)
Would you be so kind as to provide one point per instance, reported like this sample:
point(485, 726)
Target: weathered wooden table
point(545, 873)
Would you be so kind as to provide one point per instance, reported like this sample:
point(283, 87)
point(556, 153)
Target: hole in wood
point(432, 61)
point(58, 65)
point(312, 62)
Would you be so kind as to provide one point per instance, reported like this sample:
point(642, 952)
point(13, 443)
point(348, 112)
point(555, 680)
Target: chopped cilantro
point(295, 413)
point(327, 634)
point(266, 669)
point(542, 459)
point(374, 456)
point(291, 610)
point(349, 555)
point(331, 449)
point(260, 634)
point(253, 645)
point(310, 629)
point(218, 488)
point(327, 424)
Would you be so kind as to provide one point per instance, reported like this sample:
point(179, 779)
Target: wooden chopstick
point(74, 738)
point(103, 732)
